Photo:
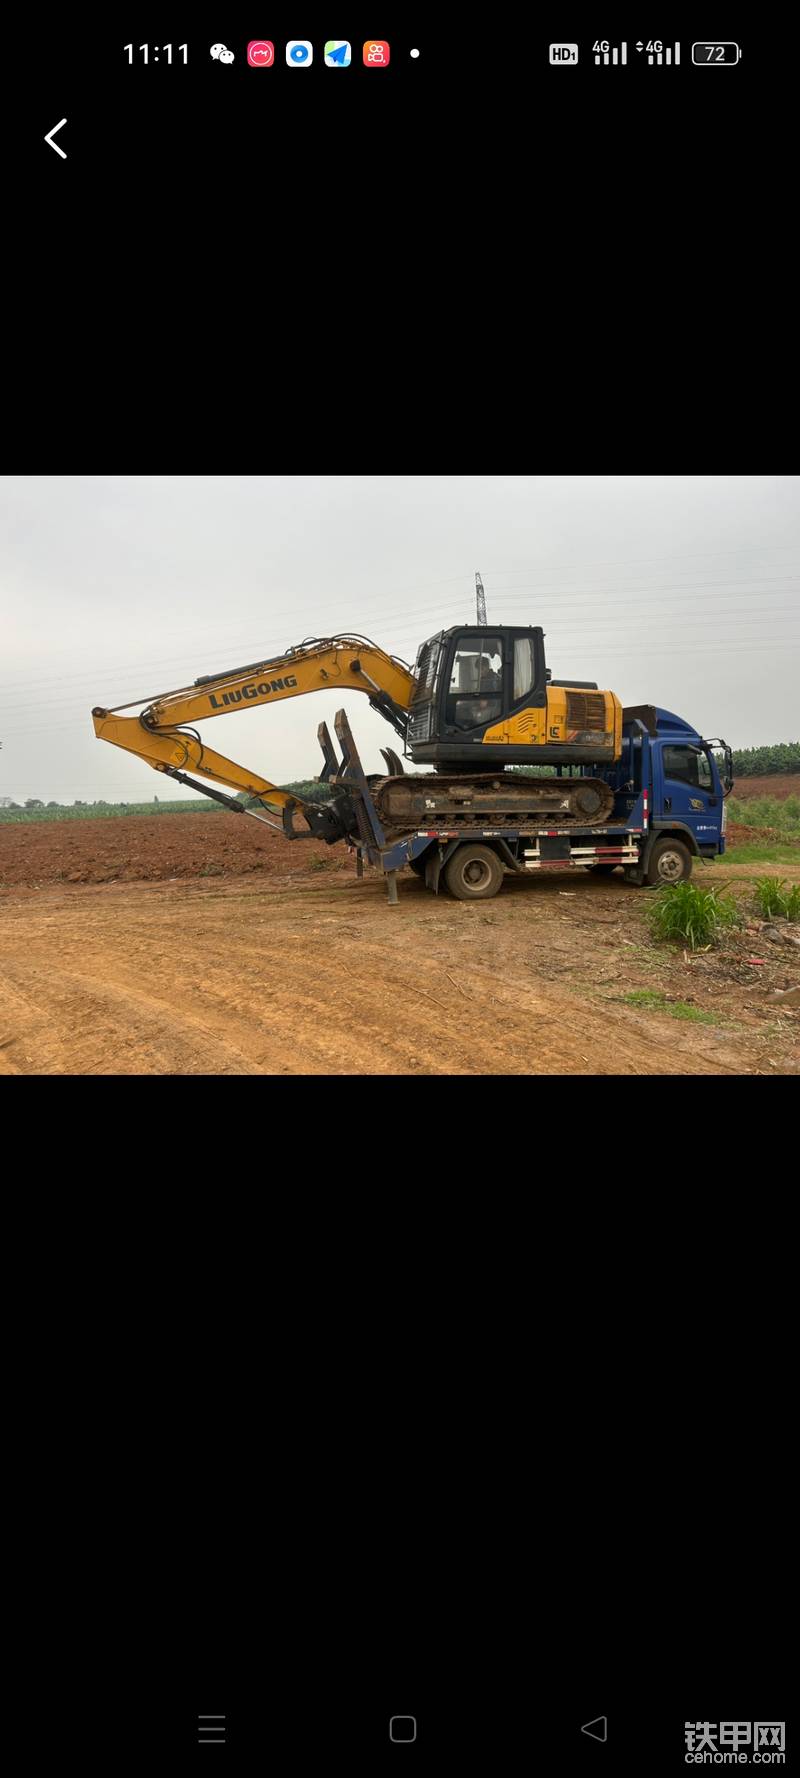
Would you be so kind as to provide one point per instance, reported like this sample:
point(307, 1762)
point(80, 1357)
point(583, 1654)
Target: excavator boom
point(338, 663)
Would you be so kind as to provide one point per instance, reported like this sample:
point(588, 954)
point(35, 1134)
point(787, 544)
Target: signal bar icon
point(614, 53)
point(658, 53)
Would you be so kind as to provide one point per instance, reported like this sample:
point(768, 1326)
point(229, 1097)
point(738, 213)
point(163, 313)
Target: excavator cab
point(469, 680)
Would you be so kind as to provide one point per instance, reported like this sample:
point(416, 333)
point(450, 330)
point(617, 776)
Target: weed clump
point(774, 897)
point(692, 916)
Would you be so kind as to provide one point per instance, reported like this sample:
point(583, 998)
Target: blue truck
point(669, 808)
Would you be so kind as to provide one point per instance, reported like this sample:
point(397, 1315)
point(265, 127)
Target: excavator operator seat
point(476, 682)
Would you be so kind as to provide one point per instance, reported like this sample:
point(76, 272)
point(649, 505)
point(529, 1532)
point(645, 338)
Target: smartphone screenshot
point(448, 362)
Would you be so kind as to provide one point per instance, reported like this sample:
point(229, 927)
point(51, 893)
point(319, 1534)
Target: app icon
point(376, 55)
point(299, 54)
point(219, 53)
point(260, 54)
point(337, 55)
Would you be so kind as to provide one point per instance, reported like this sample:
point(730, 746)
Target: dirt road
point(289, 965)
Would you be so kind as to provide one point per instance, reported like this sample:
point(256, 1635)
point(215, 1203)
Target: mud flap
point(433, 869)
point(436, 862)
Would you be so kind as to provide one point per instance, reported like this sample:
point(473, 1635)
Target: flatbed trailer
point(669, 807)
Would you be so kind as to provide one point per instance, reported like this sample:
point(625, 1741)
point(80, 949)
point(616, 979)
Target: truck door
point(690, 792)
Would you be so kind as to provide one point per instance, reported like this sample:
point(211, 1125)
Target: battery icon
point(715, 55)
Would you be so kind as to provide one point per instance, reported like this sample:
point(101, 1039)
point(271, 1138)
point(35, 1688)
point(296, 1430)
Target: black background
point(312, 1452)
point(464, 258)
point(364, 1462)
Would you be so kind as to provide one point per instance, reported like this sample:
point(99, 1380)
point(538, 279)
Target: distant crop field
point(312, 792)
point(779, 784)
point(98, 811)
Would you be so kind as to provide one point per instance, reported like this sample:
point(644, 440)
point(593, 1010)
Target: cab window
point(689, 764)
point(475, 693)
point(523, 666)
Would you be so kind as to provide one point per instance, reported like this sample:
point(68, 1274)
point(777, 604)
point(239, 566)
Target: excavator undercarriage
point(499, 799)
point(404, 801)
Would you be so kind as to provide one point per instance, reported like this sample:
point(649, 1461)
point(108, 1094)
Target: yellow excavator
point(478, 699)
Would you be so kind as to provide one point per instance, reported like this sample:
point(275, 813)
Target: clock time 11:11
point(165, 50)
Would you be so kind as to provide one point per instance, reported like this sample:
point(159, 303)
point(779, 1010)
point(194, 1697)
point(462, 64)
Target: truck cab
point(668, 781)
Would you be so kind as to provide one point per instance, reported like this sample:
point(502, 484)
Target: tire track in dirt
point(330, 1015)
point(321, 977)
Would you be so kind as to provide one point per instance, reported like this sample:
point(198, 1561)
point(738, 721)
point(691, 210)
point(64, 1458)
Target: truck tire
point(669, 862)
point(473, 873)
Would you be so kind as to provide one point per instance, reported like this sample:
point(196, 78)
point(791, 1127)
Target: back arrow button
point(598, 1729)
point(54, 132)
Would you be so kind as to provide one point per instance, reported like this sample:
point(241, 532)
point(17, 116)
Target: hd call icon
point(563, 54)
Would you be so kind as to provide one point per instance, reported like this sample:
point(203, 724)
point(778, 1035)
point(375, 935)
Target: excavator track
point(498, 800)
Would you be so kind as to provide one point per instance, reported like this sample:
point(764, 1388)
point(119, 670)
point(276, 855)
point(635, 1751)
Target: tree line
point(762, 762)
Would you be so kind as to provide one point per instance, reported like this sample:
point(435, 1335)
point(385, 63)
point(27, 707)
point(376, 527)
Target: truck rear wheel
point(473, 873)
point(670, 862)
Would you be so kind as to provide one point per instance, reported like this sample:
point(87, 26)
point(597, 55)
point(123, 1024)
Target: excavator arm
point(340, 663)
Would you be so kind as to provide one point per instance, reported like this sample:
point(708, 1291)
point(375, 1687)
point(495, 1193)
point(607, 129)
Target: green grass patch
point(760, 852)
point(655, 1001)
point(690, 915)
point(774, 896)
point(766, 811)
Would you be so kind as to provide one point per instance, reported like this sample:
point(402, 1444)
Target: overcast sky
point(683, 591)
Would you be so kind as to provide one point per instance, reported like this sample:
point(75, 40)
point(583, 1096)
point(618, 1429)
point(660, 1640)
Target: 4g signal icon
point(614, 53)
point(658, 52)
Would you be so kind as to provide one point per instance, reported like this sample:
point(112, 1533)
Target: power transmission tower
point(481, 597)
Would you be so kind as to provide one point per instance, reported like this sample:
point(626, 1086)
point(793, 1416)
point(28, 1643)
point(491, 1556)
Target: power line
point(570, 633)
point(666, 556)
point(643, 586)
point(771, 615)
point(705, 645)
point(539, 588)
point(560, 617)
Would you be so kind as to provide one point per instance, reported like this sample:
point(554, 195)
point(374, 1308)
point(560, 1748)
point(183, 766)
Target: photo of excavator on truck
point(633, 787)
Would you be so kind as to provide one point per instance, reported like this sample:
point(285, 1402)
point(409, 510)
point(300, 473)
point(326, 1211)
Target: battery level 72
point(715, 55)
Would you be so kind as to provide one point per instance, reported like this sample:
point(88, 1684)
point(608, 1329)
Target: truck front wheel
point(670, 862)
point(474, 873)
